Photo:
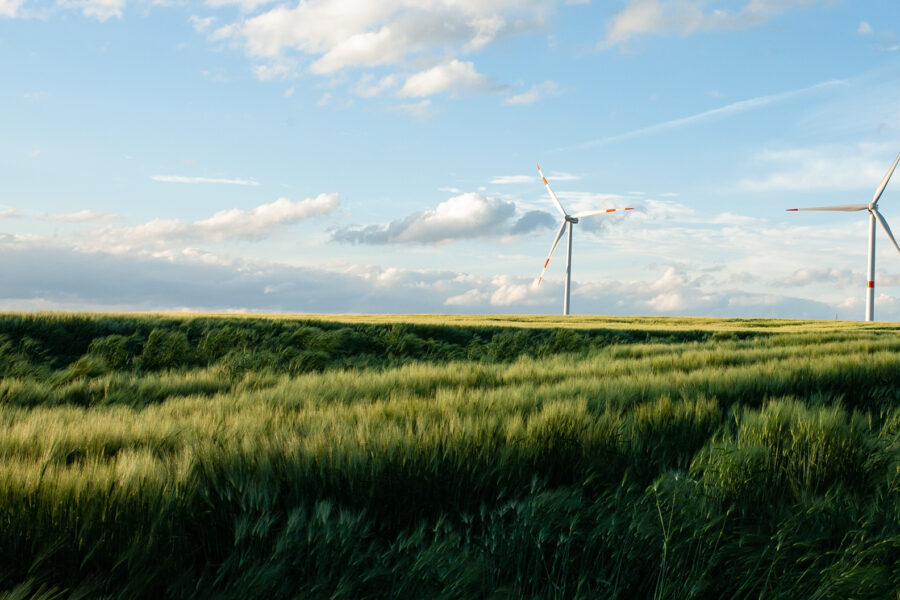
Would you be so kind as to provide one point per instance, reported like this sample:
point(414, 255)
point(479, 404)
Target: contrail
point(723, 111)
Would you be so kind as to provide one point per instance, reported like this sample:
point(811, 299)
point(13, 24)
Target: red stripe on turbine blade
point(540, 279)
point(538, 166)
point(793, 209)
point(871, 284)
point(630, 208)
point(545, 180)
point(546, 262)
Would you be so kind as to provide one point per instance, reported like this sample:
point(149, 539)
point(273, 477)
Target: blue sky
point(358, 156)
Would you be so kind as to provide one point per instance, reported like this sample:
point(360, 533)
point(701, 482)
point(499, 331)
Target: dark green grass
point(257, 457)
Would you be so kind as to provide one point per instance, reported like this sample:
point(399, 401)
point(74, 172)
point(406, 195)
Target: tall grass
point(708, 460)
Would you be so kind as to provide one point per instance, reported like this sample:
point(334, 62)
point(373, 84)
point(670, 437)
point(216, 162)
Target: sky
point(353, 156)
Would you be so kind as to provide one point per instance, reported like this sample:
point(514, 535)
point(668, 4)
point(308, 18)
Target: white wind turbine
point(874, 215)
point(568, 221)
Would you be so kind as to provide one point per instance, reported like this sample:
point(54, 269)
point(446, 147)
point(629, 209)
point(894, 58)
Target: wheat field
point(365, 456)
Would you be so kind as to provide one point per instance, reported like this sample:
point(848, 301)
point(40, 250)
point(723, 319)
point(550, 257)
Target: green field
point(447, 457)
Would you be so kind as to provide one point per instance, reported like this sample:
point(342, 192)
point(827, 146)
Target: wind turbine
point(874, 215)
point(568, 222)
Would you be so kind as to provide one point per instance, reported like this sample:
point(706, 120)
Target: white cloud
point(201, 24)
point(514, 179)
point(81, 216)
point(541, 90)
point(160, 236)
point(328, 36)
point(685, 17)
point(236, 223)
point(10, 8)
point(527, 179)
point(366, 49)
point(367, 87)
point(98, 9)
point(864, 28)
point(465, 216)
point(468, 298)
point(452, 76)
point(418, 110)
point(159, 266)
point(823, 168)
point(194, 180)
point(6, 213)
point(346, 33)
point(244, 5)
point(810, 276)
point(509, 290)
point(277, 70)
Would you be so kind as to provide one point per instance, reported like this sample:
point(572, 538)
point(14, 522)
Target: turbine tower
point(874, 215)
point(568, 222)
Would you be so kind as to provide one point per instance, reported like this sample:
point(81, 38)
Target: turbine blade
point(884, 182)
point(559, 235)
point(600, 211)
point(887, 229)
point(841, 208)
point(556, 201)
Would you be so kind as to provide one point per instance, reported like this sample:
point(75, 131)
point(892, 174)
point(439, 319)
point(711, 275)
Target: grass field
point(447, 457)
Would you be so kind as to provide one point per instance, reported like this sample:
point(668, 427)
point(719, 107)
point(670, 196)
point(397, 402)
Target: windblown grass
point(147, 457)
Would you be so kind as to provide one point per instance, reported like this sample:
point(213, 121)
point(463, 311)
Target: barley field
point(364, 456)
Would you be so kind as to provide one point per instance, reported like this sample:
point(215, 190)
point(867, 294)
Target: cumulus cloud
point(277, 70)
point(418, 110)
point(368, 87)
point(329, 36)
point(541, 90)
point(159, 235)
point(534, 220)
point(468, 215)
point(345, 33)
point(366, 49)
point(685, 17)
point(201, 24)
point(6, 213)
point(452, 76)
point(252, 224)
point(864, 28)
